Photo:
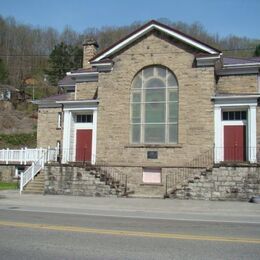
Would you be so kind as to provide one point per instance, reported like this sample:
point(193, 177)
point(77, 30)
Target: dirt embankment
point(15, 121)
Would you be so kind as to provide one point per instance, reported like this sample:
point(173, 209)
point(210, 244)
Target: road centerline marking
point(116, 232)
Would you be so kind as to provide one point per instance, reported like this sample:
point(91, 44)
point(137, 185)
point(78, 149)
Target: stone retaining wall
point(68, 180)
point(223, 183)
point(7, 173)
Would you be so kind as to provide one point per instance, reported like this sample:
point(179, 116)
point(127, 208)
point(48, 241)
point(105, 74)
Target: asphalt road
point(48, 235)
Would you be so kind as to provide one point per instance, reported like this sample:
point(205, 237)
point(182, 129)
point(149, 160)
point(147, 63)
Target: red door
point(234, 143)
point(84, 145)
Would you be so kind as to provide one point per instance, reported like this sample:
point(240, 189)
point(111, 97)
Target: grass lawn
point(8, 186)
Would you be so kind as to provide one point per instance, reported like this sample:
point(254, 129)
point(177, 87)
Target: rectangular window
point(225, 115)
point(154, 133)
point(152, 175)
point(59, 120)
point(154, 113)
point(234, 115)
point(136, 132)
point(84, 119)
point(173, 133)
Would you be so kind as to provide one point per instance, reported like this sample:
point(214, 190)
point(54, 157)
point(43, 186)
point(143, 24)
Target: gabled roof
point(154, 25)
point(84, 70)
point(51, 101)
point(239, 66)
point(66, 81)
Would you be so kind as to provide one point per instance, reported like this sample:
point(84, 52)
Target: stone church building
point(154, 104)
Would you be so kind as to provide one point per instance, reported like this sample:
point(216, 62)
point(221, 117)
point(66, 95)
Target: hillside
point(25, 50)
point(17, 126)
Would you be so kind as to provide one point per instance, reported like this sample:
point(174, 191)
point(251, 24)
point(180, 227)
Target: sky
point(225, 17)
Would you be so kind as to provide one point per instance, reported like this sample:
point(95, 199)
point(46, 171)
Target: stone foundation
point(223, 183)
point(68, 180)
point(7, 173)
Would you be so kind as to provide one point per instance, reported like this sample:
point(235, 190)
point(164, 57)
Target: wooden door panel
point(234, 143)
point(84, 145)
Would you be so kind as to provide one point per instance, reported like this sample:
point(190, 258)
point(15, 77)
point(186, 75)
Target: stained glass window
point(155, 104)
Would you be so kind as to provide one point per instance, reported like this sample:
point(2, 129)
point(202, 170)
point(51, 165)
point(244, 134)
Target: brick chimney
point(89, 51)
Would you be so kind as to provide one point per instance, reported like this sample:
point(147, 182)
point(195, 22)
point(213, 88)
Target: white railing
point(37, 157)
point(25, 155)
point(236, 153)
point(46, 155)
point(29, 174)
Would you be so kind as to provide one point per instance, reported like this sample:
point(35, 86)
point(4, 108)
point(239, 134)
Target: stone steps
point(35, 186)
point(116, 187)
point(184, 190)
point(80, 181)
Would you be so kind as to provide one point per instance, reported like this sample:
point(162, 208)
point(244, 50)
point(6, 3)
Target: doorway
point(84, 145)
point(234, 143)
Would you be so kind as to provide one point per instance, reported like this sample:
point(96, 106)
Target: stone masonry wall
point(223, 183)
point(237, 84)
point(77, 181)
point(135, 184)
point(47, 132)
point(67, 180)
point(7, 173)
point(86, 90)
point(90, 51)
point(196, 86)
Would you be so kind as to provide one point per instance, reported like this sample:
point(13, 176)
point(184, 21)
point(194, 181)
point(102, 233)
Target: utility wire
point(46, 55)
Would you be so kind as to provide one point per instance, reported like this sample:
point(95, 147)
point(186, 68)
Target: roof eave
point(207, 61)
point(237, 70)
point(46, 103)
point(247, 96)
point(78, 101)
point(84, 76)
point(79, 104)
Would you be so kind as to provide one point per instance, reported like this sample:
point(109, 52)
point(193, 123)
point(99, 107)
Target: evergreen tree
point(62, 59)
point(257, 50)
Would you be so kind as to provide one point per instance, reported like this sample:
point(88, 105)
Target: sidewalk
point(194, 210)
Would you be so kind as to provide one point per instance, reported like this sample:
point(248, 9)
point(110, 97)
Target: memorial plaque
point(152, 155)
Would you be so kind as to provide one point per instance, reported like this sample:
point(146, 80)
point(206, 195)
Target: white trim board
point(69, 126)
point(149, 28)
point(251, 127)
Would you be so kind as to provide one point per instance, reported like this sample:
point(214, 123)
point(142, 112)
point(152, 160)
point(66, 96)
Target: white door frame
point(70, 109)
point(90, 126)
point(247, 103)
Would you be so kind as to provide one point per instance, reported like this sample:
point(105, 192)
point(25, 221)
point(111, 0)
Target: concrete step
point(36, 181)
point(35, 185)
point(33, 192)
point(140, 195)
point(39, 178)
point(34, 188)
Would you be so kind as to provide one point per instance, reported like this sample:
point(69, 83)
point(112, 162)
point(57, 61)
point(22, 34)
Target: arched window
point(154, 107)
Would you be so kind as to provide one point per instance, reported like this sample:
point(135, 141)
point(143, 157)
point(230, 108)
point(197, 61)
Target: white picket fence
point(27, 156)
